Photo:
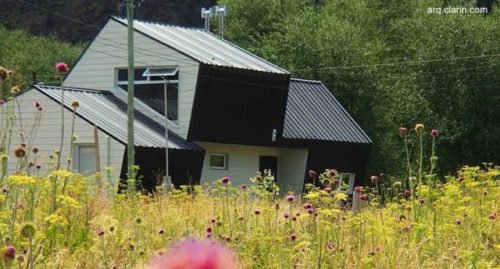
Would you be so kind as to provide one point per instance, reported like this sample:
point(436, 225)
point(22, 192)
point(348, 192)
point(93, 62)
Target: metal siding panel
point(313, 113)
point(204, 46)
point(109, 113)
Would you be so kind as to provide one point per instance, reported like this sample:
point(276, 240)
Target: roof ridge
point(306, 80)
point(159, 23)
point(69, 88)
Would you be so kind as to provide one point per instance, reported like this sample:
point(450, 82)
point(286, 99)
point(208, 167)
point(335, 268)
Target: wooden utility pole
point(130, 107)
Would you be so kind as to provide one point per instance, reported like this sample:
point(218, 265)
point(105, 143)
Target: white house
point(230, 112)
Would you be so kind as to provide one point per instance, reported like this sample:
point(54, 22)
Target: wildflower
point(35, 150)
point(312, 173)
point(358, 189)
point(419, 128)
point(328, 189)
point(9, 253)
point(256, 211)
point(5, 189)
point(290, 198)
point(243, 187)
point(209, 229)
point(374, 179)
point(329, 246)
point(161, 231)
point(208, 235)
point(421, 201)
point(310, 210)
point(294, 218)
point(396, 185)
point(434, 132)
point(307, 206)
point(293, 237)
point(460, 179)
point(62, 68)
point(224, 180)
point(15, 90)
point(75, 104)
point(112, 228)
point(333, 172)
point(458, 222)
point(258, 178)
point(2, 102)
point(241, 218)
point(364, 197)
point(37, 104)
point(28, 230)
point(40, 109)
point(276, 206)
point(4, 158)
point(100, 233)
point(492, 216)
point(212, 220)
point(286, 215)
point(407, 193)
point(3, 72)
point(402, 131)
point(38, 166)
point(138, 220)
point(20, 151)
point(196, 254)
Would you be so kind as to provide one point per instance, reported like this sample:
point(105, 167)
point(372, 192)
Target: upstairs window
point(149, 86)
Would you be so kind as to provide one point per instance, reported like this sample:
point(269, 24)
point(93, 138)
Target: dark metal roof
point(312, 113)
point(109, 114)
point(203, 46)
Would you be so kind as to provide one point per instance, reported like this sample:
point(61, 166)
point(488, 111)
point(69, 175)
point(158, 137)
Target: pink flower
point(434, 132)
point(196, 254)
point(333, 172)
point(256, 211)
point(407, 193)
point(458, 222)
point(293, 237)
point(328, 189)
point(290, 198)
point(209, 230)
point(492, 216)
point(310, 210)
point(9, 253)
point(421, 201)
point(62, 68)
point(286, 215)
point(243, 187)
point(307, 206)
point(37, 104)
point(402, 131)
point(34, 150)
point(358, 189)
point(224, 180)
point(100, 233)
point(2, 102)
point(312, 173)
point(38, 166)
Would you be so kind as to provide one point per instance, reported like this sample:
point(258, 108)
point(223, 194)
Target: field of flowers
point(53, 218)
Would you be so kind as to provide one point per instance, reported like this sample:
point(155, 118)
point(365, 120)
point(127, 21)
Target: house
point(230, 113)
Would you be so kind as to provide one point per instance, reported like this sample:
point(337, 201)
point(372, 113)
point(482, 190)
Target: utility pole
point(130, 106)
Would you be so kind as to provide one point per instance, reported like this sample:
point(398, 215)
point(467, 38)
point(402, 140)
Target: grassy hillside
point(27, 54)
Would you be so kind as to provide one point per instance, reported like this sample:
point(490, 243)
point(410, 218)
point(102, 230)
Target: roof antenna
point(221, 11)
point(206, 14)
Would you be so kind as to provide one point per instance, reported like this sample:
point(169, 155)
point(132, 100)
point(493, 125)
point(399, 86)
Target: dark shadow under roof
point(109, 114)
point(313, 113)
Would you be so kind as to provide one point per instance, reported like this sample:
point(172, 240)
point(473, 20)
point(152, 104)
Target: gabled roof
point(312, 113)
point(203, 46)
point(109, 114)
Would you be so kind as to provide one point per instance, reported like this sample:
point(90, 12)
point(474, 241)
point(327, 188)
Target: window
point(84, 158)
point(149, 85)
point(217, 161)
point(347, 179)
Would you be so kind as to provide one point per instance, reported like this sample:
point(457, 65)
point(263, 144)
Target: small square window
point(217, 161)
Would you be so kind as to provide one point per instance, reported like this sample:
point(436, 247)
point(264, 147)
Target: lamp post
point(164, 73)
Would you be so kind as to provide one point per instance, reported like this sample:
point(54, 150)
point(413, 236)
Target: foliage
point(383, 61)
point(26, 54)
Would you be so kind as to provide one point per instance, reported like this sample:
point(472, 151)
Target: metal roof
point(313, 113)
point(109, 114)
point(203, 46)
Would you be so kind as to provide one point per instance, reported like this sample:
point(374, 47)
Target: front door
point(269, 163)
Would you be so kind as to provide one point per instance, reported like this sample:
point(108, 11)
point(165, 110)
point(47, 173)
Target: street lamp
point(164, 74)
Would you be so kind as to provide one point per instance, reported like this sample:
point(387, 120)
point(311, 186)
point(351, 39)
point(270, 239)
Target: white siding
point(243, 163)
point(96, 68)
point(49, 133)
